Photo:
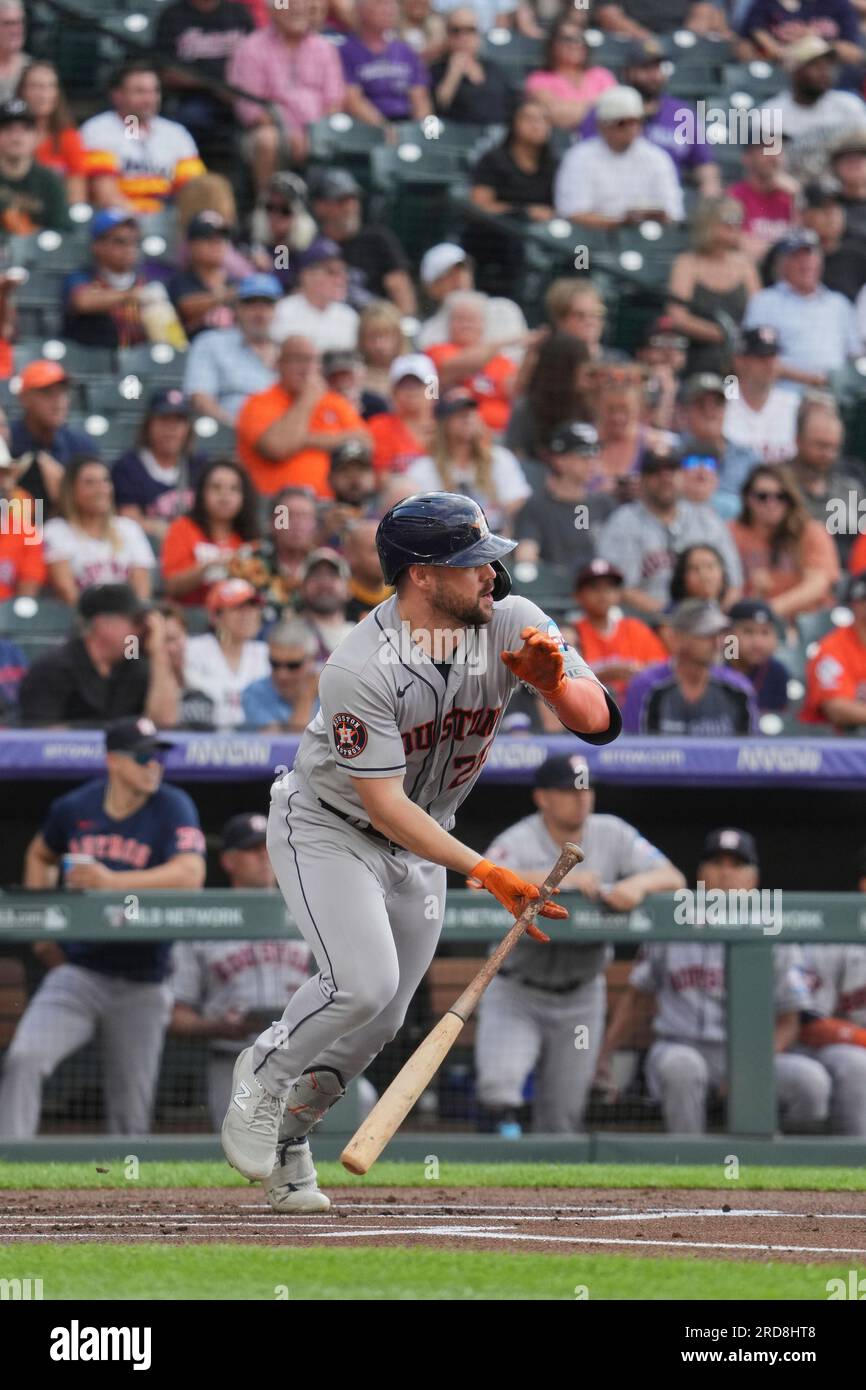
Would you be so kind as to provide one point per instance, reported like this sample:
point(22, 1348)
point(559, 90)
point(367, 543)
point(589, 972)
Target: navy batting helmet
point(440, 528)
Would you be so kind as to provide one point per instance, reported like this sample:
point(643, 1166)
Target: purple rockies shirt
point(662, 129)
point(384, 78)
point(654, 704)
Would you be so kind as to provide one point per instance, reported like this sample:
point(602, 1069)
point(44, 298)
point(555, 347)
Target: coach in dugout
point(689, 1056)
point(121, 833)
point(529, 1014)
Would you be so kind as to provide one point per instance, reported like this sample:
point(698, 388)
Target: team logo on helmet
point(350, 735)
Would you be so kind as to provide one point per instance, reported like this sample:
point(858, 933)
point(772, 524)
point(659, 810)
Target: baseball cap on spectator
point(853, 143)
point(800, 239)
point(821, 195)
point(134, 735)
point(856, 587)
point(320, 249)
point(169, 402)
point(16, 112)
point(325, 556)
point(248, 830)
point(561, 774)
point(120, 599)
point(664, 333)
point(657, 463)
point(351, 451)
point(698, 618)
point(287, 187)
point(231, 593)
point(207, 225)
point(413, 364)
point(759, 342)
point(453, 402)
point(751, 610)
point(640, 53)
point(333, 183)
point(337, 360)
point(260, 286)
point(439, 260)
point(106, 221)
point(596, 570)
point(574, 438)
point(40, 374)
point(806, 50)
point(737, 842)
point(702, 384)
point(619, 104)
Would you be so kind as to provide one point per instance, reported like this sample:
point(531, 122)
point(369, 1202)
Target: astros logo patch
point(350, 735)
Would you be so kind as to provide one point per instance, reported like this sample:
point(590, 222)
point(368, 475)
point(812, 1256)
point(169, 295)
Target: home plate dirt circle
point(761, 1226)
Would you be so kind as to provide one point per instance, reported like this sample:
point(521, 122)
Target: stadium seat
point(549, 586)
point(449, 135)
point(214, 438)
point(412, 184)
point(606, 50)
point(687, 49)
point(114, 397)
point(339, 140)
point(78, 361)
point(35, 624)
point(695, 82)
point(516, 54)
point(154, 364)
point(760, 80)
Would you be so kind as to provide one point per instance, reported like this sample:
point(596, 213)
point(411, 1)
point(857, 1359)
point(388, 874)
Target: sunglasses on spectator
point(762, 495)
point(143, 759)
point(286, 665)
point(700, 461)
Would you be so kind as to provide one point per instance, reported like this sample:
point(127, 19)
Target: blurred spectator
point(664, 354)
point(154, 482)
point(465, 461)
point(280, 226)
point(753, 628)
point(766, 194)
point(13, 59)
point(31, 196)
point(700, 572)
point(618, 177)
point(268, 64)
point(514, 179)
point(223, 990)
point(41, 434)
point(760, 417)
point(136, 158)
point(576, 307)
point(323, 599)
point(565, 85)
point(704, 413)
point(619, 406)
point(101, 306)
point(224, 662)
point(222, 519)
point(204, 293)
point(13, 667)
point(446, 268)
point(385, 80)
point(836, 673)
point(774, 31)
point(140, 835)
point(553, 394)
point(194, 710)
point(692, 695)
point(88, 543)
point(285, 700)
point(422, 29)
point(643, 538)
point(787, 558)
point(210, 193)
point(848, 168)
point(465, 86)
point(367, 588)
point(406, 431)
point(194, 40)
point(344, 373)
point(825, 481)
point(700, 477)
point(474, 363)
point(844, 256)
point(817, 327)
point(376, 263)
point(293, 527)
point(665, 123)
point(717, 279)
point(381, 341)
point(60, 146)
point(616, 647)
point(491, 14)
point(225, 366)
point(22, 558)
point(352, 480)
point(318, 309)
point(558, 524)
point(811, 105)
point(640, 19)
point(284, 433)
point(90, 678)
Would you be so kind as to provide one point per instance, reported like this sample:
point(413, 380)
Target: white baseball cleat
point(252, 1122)
point(291, 1187)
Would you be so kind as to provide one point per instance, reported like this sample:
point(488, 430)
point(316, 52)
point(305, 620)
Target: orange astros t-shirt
point(306, 468)
point(489, 386)
point(628, 640)
point(836, 671)
point(21, 555)
point(394, 444)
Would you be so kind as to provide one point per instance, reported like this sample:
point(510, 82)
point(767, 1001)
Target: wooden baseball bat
point(394, 1104)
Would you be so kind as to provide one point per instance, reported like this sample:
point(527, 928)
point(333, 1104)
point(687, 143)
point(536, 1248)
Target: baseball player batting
point(359, 831)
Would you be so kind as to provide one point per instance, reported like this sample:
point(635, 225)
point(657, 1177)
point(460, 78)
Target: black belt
point(546, 989)
point(363, 826)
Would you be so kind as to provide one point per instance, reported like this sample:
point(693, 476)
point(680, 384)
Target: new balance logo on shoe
point(242, 1095)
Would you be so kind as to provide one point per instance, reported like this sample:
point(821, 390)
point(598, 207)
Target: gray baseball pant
point(680, 1075)
point(846, 1064)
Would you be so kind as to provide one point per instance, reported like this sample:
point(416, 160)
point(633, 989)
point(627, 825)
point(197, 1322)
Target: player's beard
point(460, 612)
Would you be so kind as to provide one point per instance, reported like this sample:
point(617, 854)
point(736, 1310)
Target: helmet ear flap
point(502, 582)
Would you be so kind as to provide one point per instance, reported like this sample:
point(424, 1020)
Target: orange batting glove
point(514, 894)
point(539, 663)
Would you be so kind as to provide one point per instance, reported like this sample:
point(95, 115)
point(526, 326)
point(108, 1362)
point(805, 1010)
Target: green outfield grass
point(368, 1273)
point(753, 1178)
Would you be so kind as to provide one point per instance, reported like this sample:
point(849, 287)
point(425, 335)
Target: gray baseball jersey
point(689, 984)
point(612, 848)
point(387, 709)
point(247, 976)
point(837, 975)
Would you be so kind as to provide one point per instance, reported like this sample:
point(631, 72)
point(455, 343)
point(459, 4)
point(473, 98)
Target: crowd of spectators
point(694, 500)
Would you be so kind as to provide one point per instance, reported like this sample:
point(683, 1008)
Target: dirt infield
point(789, 1226)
